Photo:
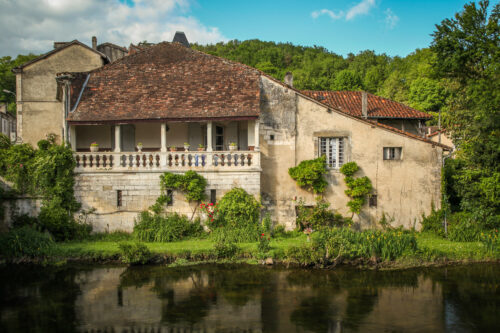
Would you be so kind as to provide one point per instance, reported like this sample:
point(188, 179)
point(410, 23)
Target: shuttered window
point(392, 153)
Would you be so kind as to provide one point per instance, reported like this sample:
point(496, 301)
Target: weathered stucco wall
point(141, 189)
point(39, 112)
point(405, 188)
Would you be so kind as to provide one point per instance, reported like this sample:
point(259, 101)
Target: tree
point(467, 51)
point(8, 79)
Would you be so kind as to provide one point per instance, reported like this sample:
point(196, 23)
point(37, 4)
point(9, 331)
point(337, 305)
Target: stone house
point(149, 111)
point(7, 123)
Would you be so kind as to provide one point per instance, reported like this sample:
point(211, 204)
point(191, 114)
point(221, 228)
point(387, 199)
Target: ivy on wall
point(357, 188)
point(309, 174)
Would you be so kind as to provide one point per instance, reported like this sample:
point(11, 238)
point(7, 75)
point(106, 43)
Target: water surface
point(215, 298)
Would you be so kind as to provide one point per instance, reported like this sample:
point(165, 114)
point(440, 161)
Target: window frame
point(325, 147)
point(392, 153)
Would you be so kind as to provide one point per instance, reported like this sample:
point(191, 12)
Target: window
point(213, 196)
point(333, 149)
point(271, 137)
point(219, 138)
point(392, 153)
point(170, 197)
point(373, 200)
point(118, 198)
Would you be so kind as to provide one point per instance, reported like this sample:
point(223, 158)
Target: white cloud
point(33, 25)
point(333, 15)
point(361, 8)
point(391, 19)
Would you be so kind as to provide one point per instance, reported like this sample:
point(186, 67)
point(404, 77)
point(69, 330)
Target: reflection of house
point(165, 95)
point(7, 123)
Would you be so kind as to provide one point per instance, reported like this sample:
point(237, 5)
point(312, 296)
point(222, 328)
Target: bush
point(434, 223)
point(319, 216)
point(491, 240)
point(357, 188)
point(61, 223)
point(464, 228)
point(309, 174)
point(226, 250)
point(25, 241)
point(169, 228)
point(136, 253)
point(263, 245)
point(237, 219)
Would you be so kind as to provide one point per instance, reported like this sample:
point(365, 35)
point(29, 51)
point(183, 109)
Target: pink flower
point(20, 165)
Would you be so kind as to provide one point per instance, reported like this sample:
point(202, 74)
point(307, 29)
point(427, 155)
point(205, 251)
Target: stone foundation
point(139, 190)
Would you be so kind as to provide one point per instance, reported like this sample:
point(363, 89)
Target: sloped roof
point(167, 81)
point(48, 54)
point(378, 107)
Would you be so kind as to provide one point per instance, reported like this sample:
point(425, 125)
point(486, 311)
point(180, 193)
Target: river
point(241, 298)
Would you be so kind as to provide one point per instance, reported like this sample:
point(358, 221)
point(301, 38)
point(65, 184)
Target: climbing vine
point(309, 174)
point(357, 188)
point(191, 184)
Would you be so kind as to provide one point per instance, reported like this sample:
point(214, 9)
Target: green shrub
point(191, 183)
point(226, 250)
point(263, 245)
point(304, 254)
point(464, 228)
point(491, 240)
point(434, 223)
point(25, 241)
point(169, 228)
point(280, 232)
point(319, 215)
point(309, 174)
point(237, 219)
point(135, 253)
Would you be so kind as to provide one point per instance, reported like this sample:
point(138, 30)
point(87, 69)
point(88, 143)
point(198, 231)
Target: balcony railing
point(166, 161)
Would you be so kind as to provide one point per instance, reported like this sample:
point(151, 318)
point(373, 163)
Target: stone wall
point(290, 126)
point(139, 190)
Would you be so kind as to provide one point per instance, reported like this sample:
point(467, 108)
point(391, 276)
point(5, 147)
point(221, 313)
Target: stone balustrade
point(167, 161)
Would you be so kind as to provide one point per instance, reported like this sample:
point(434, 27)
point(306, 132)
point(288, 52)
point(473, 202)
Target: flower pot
point(173, 149)
point(186, 148)
point(139, 149)
point(201, 149)
point(232, 148)
point(94, 149)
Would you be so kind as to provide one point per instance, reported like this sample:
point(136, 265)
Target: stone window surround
point(333, 133)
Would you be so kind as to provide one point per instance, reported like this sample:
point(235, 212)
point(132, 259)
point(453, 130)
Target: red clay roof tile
point(378, 107)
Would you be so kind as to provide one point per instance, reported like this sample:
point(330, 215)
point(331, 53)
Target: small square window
point(170, 197)
point(392, 153)
point(271, 137)
point(373, 200)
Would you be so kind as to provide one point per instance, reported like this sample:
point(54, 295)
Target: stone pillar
point(72, 137)
point(163, 137)
point(256, 138)
point(118, 139)
point(209, 136)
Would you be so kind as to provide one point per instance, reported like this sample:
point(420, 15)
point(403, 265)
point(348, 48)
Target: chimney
point(180, 37)
point(94, 42)
point(364, 104)
point(288, 79)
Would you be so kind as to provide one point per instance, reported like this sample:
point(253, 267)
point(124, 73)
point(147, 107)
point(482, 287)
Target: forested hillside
point(410, 80)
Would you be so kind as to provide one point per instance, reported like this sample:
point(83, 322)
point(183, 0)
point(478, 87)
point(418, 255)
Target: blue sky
point(395, 27)
point(387, 26)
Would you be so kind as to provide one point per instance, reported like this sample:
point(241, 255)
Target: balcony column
point(164, 137)
point(118, 139)
point(72, 137)
point(256, 135)
point(209, 136)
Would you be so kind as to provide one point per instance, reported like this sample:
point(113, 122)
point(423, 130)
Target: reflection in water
point(216, 298)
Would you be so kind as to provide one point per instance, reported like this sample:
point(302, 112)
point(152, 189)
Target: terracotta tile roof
point(378, 107)
point(168, 81)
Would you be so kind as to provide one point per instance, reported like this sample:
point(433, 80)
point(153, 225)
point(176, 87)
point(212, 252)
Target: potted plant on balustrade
point(201, 147)
point(186, 146)
point(94, 147)
point(139, 147)
point(173, 148)
point(233, 146)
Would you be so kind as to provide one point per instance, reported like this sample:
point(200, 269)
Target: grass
point(431, 249)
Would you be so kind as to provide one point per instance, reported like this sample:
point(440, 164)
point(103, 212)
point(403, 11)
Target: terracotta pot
point(201, 149)
point(173, 149)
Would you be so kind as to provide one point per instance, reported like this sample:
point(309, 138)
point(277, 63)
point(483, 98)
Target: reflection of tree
point(473, 292)
point(314, 313)
point(41, 299)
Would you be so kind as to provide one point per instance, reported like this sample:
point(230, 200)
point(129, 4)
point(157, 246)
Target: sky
point(394, 27)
